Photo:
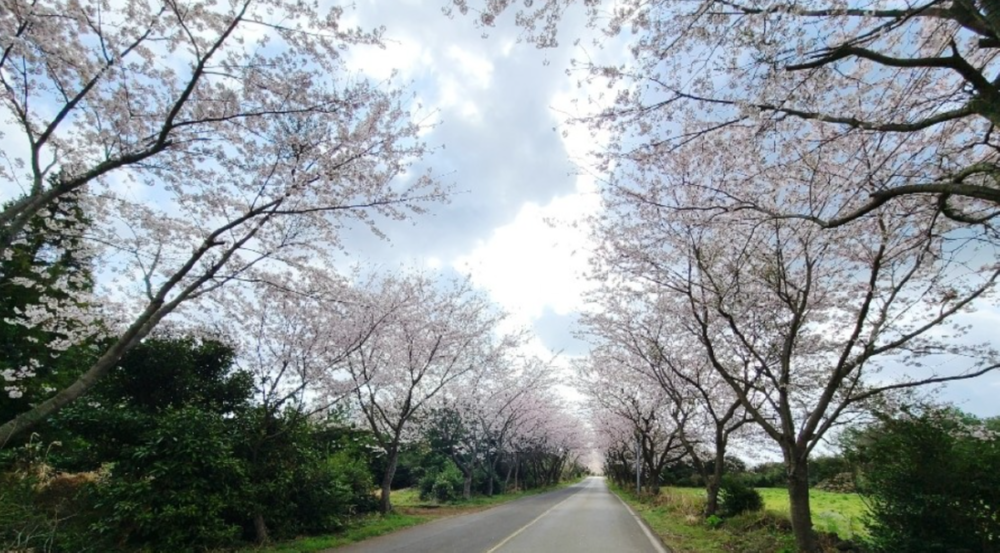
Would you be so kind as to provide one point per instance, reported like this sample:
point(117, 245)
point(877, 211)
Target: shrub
point(40, 509)
point(932, 482)
point(442, 485)
point(736, 497)
point(175, 488)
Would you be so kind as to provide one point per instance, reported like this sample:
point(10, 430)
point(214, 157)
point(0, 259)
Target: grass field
point(840, 513)
point(676, 516)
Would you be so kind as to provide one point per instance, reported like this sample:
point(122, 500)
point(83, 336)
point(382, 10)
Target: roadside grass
point(838, 513)
point(408, 510)
point(676, 516)
point(361, 529)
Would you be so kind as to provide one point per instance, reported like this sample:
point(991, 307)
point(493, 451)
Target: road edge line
point(534, 520)
point(653, 538)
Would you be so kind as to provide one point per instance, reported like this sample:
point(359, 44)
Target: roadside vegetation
point(925, 481)
point(186, 460)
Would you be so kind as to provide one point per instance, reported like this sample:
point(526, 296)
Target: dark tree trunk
point(260, 528)
point(798, 496)
point(467, 485)
point(390, 470)
point(517, 469)
point(492, 476)
point(714, 480)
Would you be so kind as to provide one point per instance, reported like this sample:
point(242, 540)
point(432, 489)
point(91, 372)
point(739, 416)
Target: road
point(582, 518)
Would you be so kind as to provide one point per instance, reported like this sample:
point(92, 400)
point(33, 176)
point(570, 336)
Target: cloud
point(529, 264)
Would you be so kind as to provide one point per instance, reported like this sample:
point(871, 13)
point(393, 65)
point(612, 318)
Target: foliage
point(191, 464)
point(735, 498)
point(42, 509)
point(161, 375)
point(442, 485)
point(713, 521)
point(175, 487)
point(47, 269)
point(932, 481)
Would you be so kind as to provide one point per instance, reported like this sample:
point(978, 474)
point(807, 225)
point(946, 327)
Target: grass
point(676, 516)
point(838, 513)
point(363, 529)
point(409, 510)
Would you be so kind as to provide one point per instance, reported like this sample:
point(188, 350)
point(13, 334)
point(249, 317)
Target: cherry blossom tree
point(887, 99)
point(476, 414)
point(643, 333)
point(252, 145)
point(295, 339)
point(804, 317)
point(634, 397)
point(439, 333)
point(547, 437)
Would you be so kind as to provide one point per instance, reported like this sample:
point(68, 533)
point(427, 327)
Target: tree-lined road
point(583, 518)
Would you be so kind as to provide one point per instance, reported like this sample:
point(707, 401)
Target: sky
point(499, 108)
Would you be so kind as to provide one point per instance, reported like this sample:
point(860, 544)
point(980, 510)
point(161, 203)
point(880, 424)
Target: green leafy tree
point(931, 480)
point(48, 269)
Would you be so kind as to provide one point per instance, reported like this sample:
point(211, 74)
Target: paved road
point(583, 518)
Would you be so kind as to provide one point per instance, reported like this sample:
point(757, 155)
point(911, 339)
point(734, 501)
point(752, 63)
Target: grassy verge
point(409, 511)
point(676, 516)
point(838, 513)
point(362, 529)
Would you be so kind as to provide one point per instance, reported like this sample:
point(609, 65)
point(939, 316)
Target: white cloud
point(477, 69)
point(398, 54)
point(532, 263)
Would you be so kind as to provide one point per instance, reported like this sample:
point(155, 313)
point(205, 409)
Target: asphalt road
point(585, 517)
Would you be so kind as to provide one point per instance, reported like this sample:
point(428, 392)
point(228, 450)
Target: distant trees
point(642, 335)
point(431, 338)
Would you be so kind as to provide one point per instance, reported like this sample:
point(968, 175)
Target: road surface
point(582, 518)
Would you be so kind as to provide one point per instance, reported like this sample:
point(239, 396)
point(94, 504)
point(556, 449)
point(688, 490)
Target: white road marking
point(526, 526)
point(645, 530)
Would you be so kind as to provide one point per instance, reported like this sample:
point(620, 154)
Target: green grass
point(676, 516)
point(839, 513)
point(363, 529)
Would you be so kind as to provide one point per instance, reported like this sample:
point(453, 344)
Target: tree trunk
point(467, 485)
point(517, 469)
point(713, 481)
point(506, 480)
point(260, 528)
point(491, 477)
point(798, 496)
point(712, 495)
point(390, 470)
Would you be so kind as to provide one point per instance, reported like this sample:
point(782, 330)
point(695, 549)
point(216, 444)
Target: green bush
point(735, 497)
point(174, 489)
point(442, 485)
point(932, 482)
